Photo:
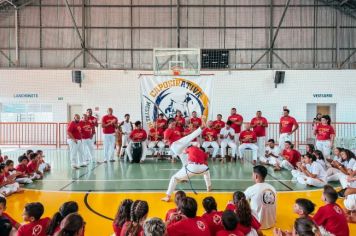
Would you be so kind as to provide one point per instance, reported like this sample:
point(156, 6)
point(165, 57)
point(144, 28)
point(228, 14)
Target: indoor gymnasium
point(177, 117)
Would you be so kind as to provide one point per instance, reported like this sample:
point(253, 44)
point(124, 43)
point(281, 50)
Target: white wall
point(248, 91)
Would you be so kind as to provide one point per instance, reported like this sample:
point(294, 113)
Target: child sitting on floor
point(32, 214)
point(4, 216)
point(8, 184)
point(177, 199)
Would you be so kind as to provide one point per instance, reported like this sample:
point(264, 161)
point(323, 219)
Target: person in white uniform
point(227, 138)
point(262, 197)
point(350, 204)
point(126, 129)
point(348, 162)
point(271, 156)
point(310, 172)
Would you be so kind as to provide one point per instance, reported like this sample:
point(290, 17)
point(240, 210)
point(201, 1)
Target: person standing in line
point(109, 123)
point(236, 120)
point(287, 126)
point(259, 125)
point(74, 141)
point(87, 135)
point(325, 136)
point(126, 129)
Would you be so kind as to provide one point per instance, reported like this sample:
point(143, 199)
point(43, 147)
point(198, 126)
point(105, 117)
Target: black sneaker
point(341, 193)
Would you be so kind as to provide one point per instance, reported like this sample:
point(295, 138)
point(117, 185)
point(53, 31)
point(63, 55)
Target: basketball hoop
point(176, 70)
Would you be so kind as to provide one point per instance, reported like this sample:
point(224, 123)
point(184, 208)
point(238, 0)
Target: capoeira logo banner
point(167, 94)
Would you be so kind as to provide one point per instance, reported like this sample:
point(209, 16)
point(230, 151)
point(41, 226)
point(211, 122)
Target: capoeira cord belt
point(196, 173)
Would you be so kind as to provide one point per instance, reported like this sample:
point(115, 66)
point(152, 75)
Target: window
point(26, 113)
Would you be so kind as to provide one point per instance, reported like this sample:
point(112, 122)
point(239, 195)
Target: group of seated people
point(31, 166)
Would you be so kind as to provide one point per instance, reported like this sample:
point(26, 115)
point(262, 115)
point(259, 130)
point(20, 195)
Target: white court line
point(134, 180)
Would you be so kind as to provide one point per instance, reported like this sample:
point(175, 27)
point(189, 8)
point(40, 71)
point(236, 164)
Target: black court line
point(75, 180)
point(92, 210)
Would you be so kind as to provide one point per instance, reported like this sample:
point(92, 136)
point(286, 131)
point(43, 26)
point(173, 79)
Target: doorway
point(74, 109)
point(323, 108)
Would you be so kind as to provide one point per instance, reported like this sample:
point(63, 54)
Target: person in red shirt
point(331, 218)
point(290, 156)
point(218, 124)
point(194, 162)
point(122, 216)
point(109, 123)
point(87, 131)
point(180, 120)
point(188, 130)
point(138, 215)
point(196, 121)
point(212, 216)
point(155, 139)
point(179, 195)
point(171, 135)
point(248, 140)
point(24, 177)
point(74, 141)
point(4, 215)
point(94, 123)
point(287, 126)
point(37, 225)
point(210, 136)
point(325, 135)
point(236, 120)
point(259, 125)
point(161, 123)
point(32, 166)
point(138, 135)
point(191, 224)
point(231, 227)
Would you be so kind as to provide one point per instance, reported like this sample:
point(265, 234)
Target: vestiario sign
point(322, 95)
point(26, 95)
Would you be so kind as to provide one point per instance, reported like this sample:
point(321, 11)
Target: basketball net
point(176, 70)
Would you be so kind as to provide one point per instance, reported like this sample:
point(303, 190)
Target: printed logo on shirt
point(217, 219)
point(201, 225)
point(338, 210)
point(268, 197)
point(37, 230)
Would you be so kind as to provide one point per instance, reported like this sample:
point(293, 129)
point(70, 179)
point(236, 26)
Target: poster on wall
point(167, 94)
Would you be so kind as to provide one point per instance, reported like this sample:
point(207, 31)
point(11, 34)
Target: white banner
point(167, 94)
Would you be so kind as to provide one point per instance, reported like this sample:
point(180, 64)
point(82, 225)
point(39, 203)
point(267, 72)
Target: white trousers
point(144, 150)
point(228, 143)
point(214, 145)
point(302, 179)
point(284, 164)
point(237, 140)
point(76, 152)
point(243, 147)
point(324, 146)
point(159, 144)
point(344, 183)
point(261, 144)
point(333, 174)
point(9, 188)
point(350, 202)
point(109, 146)
point(88, 147)
point(183, 174)
point(282, 139)
point(24, 180)
point(178, 146)
point(270, 160)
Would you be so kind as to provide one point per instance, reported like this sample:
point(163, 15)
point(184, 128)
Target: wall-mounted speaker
point(77, 77)
point(279, 77)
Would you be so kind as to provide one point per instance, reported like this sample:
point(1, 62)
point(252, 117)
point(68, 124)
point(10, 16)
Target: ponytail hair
point(138, 211)
point(123, 213)
point(66, 209)
point(237, 197)
point(71, 226)
point(243, 212)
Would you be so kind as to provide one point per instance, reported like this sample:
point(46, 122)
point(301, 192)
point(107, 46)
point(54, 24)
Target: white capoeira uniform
point(334, 174)
point(9, 188)
point(350, 202)
point(76, 152)
point(227, 141)
point(271, 160)
point(189, 169)
point(126, 129)
point(316, 169)
point(282, 139)
point(343, 179)
point(159, 143)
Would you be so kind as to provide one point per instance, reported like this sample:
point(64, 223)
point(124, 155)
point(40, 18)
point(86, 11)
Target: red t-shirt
point(93, 121)
point(124, 229)
point(196, 121)
point(180, 122)
point(36, 228)
point(32, 166)
point(196, 155)
point(259, 129)
point(111, 128)
point(12, 221)
point(156, 134)
point(287, 123)
point(117, 229)
point(172, 135)
point(218, 125)
point(86, 129)
point(190, 226)
point(1, 159)
point(333, 219)
point(210, 134)
point(22, 168)
point(236, 118)
point(214, 221)
point(170, 212)
point(138, 135)
point(235, 232)
point(324, 132)
point(161, 123)
point(248, 134)
point(292, 156)
point(255, 224)
point(75, 129)
point(188, 131)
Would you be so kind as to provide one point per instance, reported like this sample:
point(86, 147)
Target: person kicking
point(194, 160)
